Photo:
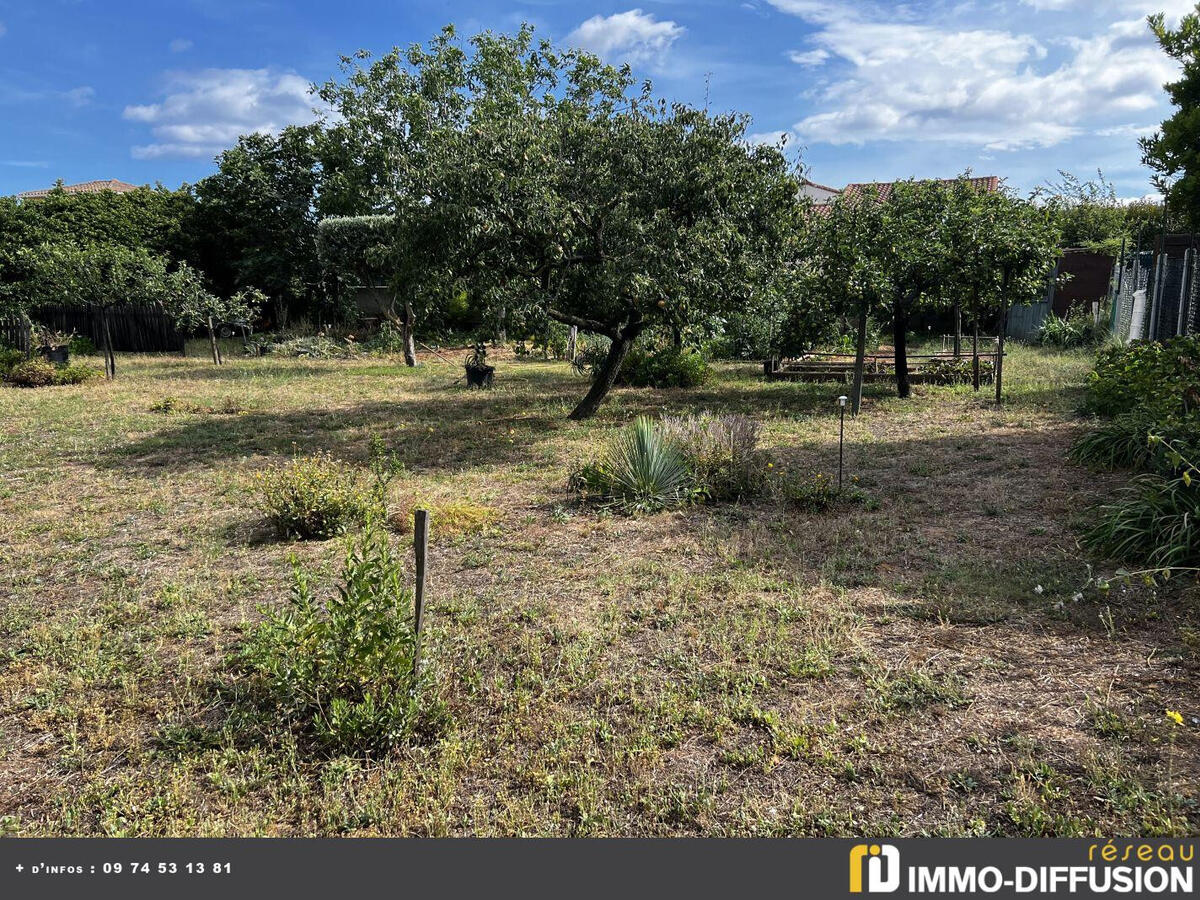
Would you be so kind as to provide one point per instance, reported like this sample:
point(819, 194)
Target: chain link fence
point(1156, 295)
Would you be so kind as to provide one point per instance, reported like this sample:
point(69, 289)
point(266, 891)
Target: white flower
point(1077, 598)
point(1038, 589)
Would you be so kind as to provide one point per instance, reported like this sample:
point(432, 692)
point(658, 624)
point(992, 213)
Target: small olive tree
point(99, 277)
point(926, 244)
point(193, 306)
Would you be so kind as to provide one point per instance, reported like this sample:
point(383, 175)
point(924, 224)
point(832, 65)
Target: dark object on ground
point(58, 354)
point(479, 373)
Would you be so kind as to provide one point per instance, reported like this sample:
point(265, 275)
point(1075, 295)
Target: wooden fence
point(135, 327)
point(14, 333)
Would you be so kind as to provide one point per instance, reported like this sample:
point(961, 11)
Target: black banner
point(622, 869)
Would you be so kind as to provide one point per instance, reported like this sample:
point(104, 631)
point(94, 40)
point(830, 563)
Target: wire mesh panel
point(1134, 276)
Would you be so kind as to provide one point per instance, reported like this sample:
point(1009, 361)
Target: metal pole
point(1184, 284)
point(1115, 313)
point(420, 551)
point(841, 438)
point(1160, 272)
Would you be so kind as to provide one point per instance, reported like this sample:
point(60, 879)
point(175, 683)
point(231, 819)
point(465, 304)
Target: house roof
point(883, 189)
point(819, 186)
point(85, 187)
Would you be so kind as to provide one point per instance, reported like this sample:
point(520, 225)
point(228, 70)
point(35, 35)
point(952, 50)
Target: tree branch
point(592, 325)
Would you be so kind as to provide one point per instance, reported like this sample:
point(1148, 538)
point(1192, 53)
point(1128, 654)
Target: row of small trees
point(101, 277)
point(926, 244)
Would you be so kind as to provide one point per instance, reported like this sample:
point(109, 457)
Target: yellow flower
point(770, 465)
point(1175, 716)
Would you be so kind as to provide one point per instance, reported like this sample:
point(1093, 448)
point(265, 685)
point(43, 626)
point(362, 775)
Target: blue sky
point(148, 92)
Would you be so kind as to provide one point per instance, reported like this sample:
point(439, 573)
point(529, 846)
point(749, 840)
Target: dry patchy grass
point(724, 670)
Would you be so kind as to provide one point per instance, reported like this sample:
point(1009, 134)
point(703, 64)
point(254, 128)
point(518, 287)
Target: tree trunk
point(899, 338)
point(608, 372)
point(975, 353)
point(860, 361)
point(110, 360)
point(410, 346)
point(501, 332)
point(957, 331)
point(212, 340)
point(27, 334)
point(572, 342)
point(676, 337)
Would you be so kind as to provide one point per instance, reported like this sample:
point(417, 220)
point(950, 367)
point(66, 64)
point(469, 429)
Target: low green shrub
point(668, 367)
point(35, 372)
point(82, 346)
point(76, 373)
point(313, 497)
point(9, 359)
point(388, 340)
point(38, 372)
point(638, 470)
point(1159, 380)
point(340, 670)
point(721, 451)
point(958, 371)
point(1078, 330)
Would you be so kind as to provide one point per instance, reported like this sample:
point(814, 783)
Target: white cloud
point(767, 138)
point(80, 96)
point(1172, 8)
point(180, 45)
point(633, 37)
point(809, 58)
point(205, 112)
point(938, 81)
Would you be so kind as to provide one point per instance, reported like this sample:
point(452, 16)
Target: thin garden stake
point(1002, 326)
point(420, 550)
point(841, 438)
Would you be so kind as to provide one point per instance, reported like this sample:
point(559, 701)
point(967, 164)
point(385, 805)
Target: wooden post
point(420, 551)
point(957, 330)
point(998, 370)
point(110, 359)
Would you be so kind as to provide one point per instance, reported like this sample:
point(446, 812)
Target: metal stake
point(421, 552)
point(841, 437)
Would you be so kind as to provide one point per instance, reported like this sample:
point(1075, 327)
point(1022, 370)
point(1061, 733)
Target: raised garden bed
point(932, 368)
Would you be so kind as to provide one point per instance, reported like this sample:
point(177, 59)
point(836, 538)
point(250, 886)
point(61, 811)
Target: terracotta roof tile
point(883, 189)
point(85, 187)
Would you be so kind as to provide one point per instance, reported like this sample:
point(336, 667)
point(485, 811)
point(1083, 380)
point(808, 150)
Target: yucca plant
point(639, 470)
